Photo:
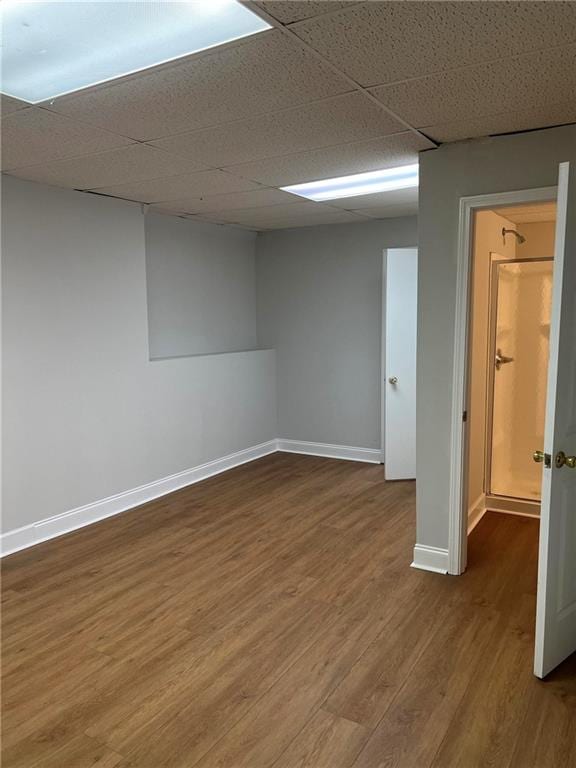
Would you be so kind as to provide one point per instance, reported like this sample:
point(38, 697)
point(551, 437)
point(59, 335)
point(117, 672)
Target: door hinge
point(464, 415)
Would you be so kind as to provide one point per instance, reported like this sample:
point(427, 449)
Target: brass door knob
point(561, 460)
point(540, 456)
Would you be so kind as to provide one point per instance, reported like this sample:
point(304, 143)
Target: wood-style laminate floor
point(269, 617)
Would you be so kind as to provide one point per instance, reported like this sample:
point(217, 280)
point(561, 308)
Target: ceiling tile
point(350, 117)
point(334, 217)
point(356, 157)
point(231, 201)
point(535, 81)
point(135, 163)
point(289, 11)
point(508, 122)
point(383, 42)
point(298, 208)
point(31, 136)
point(528, 214)
point(206, 218)
point(294, 215)
point(180, 187)
point(268, 72)
point(9, 104)
point(389, 211)
point(380, 200)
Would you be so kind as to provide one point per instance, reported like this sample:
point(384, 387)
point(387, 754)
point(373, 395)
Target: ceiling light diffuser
point(359, 184)
point(50, 48)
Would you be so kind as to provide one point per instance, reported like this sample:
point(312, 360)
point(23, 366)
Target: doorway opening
point(510, 309)
point(555, 634)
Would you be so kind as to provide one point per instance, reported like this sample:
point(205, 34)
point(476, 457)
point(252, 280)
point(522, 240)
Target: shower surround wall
point(524, 302)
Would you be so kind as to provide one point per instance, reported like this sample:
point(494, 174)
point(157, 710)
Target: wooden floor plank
point(366, 691)
point(500, 689)
point(269, 617)
point(325, 741)
point(415, 722)
point(547, 736)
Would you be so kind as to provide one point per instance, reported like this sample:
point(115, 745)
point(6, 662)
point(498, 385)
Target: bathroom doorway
point(508, 364)
point(534, 225)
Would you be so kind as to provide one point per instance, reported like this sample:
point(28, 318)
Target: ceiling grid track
point(327, 90)
point(289, 33)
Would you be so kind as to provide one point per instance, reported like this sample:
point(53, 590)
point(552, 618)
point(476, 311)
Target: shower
point(521, 239)
point(520, 306)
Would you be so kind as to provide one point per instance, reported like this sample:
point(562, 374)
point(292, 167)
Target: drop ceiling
point(529, 214)
point(334, 88)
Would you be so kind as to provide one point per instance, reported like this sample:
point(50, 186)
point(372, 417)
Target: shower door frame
point(457, 503)
point(531, 507)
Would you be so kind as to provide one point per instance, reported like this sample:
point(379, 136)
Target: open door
point(400, 376)
point(556, 599)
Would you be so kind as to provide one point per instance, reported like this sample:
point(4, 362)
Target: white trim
point(347, 452)
point(50, 528)
point(430, 559)
point(512, 512)
point(383, 357)
point(66, 522)
point(457, 512)
point(476, 512)
point(523, 507)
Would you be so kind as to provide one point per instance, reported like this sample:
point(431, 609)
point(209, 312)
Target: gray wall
point(483, 166)
point(201, 287)
point(85, 413)
point(319, 293)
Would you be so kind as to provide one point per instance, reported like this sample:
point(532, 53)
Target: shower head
point(521, 239)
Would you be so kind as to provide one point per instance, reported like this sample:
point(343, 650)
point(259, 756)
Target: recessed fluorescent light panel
point(53, 48)
point(358, 184)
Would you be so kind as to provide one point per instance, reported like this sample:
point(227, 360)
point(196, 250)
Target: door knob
point(540, 456)
point(393, 380)
point(561, 460)
point(501, 359)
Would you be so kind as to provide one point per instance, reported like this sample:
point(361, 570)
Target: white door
point(556, 601)
point(400, 369)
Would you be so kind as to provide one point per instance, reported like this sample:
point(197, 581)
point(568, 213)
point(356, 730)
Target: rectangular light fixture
point(54, 47)
point(359, 184)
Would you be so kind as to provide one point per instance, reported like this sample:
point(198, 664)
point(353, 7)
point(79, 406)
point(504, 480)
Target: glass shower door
point(519, 360)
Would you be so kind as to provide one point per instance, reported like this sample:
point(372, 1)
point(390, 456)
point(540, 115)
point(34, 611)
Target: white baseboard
point(510, 506)
point(476, 512)
point(50, 528)
point(474, 518)
point(430, 559)
point(349, 453)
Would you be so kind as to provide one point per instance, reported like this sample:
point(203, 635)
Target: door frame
point(383, 358)
point(457, 513)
